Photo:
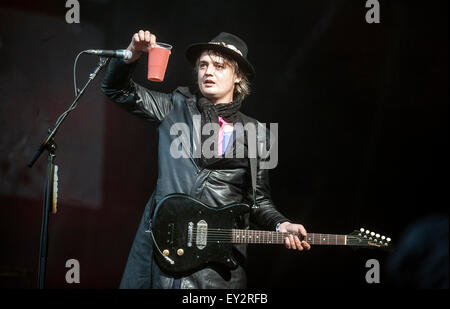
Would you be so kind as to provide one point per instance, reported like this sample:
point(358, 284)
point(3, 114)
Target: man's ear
point(237, 79)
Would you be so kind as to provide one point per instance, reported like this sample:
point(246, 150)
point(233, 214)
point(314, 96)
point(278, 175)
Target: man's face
point(216, 78)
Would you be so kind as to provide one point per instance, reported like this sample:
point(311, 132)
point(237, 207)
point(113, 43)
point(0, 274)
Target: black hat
point(225, 43)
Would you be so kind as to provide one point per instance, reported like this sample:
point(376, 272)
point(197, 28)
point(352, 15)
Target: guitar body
point(191, 235)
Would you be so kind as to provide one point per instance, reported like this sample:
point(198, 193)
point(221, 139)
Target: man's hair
point(241, 89)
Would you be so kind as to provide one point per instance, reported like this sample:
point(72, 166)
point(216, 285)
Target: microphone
point(119, 53)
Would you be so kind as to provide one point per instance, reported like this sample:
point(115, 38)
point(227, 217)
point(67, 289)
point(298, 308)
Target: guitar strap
point(253, 161)
point(253, 168)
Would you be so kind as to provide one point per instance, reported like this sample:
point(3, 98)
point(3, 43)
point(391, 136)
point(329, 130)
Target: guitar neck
point(269, 237)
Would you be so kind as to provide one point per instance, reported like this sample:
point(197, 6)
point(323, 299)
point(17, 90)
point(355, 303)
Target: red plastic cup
point(158, 57)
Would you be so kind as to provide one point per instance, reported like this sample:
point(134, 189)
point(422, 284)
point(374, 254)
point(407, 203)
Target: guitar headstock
point(366, 238)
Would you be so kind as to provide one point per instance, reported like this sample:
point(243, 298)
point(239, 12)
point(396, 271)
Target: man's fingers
point(302, 230)
point(287, 243)
point(143, 40)
point(298, 243)
point(292, 242)
point(295, 240)
point(141, 35)
point(152, 40)
point(306, 245)
point(147, 36)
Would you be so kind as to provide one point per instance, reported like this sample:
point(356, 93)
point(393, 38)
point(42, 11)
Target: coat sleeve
point(142, 102)
point(265, 214)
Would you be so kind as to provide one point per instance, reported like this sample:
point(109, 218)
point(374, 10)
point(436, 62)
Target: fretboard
point(268, 237)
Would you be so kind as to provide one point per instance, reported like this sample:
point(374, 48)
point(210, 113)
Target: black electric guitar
point(189, 235)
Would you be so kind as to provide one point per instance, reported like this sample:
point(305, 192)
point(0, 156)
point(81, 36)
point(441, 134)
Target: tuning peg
point(372, 234)
point(367, 232)
point(388, 239)
point(362, 230)
point(383, 237)
point(377, 235)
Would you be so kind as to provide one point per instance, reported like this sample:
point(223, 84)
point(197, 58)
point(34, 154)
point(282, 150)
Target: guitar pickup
point(189, 234)
point(202, 234)
point(170, 233)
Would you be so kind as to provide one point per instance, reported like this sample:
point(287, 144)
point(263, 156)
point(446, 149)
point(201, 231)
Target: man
point(223, 75)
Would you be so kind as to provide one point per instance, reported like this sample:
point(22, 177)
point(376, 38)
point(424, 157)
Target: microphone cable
point(76, 90)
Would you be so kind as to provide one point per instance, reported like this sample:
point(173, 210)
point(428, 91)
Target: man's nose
point(209, 70)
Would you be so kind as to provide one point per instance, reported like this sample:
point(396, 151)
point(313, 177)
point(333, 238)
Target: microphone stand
point(50, 145)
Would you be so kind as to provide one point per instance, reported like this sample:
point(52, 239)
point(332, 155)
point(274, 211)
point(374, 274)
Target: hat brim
point(194, 51)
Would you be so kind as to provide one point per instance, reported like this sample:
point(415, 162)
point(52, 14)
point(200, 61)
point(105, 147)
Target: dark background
point(363, 128)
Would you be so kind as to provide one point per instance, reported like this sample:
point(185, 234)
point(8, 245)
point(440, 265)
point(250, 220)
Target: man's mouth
point(209, 82)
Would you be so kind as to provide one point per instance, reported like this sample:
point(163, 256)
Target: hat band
point(232, 47)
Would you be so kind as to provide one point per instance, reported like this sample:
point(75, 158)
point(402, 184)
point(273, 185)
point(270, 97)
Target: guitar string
point(227, 231)
point(279, 238)
point(229, 239)
point(275, 241)
point(267, 234)
point(254, 239)
point(256, 233)
point(340, 243)
point(215, 235)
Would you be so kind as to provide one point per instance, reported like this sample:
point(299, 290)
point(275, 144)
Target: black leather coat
point(224, 182)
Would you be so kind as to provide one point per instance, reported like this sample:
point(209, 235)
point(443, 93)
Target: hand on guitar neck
point(293, 242)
